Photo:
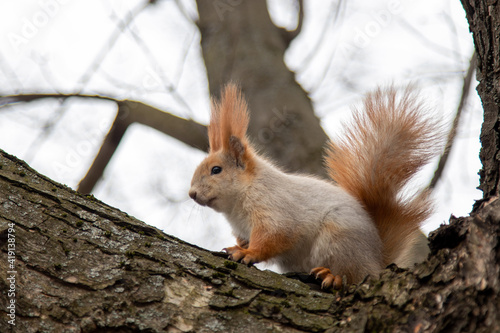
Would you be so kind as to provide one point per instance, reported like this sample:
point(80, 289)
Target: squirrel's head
point(221, 178)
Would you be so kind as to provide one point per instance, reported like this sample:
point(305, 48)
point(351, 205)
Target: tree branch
point(334, 17)
point(291, 35)
point(86, 77)
point(106, 151)
point(25, 98)
point(453, 131)
point(129, 112)
point(187, 131)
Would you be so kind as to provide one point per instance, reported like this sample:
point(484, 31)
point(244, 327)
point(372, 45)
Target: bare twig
point(432, 45)
point(129, 112)
point(332, 17)
point(9, 73)
point(187, 131)
point(331, 56)
point(24, 98)
point(168, 86)
point(184, 12)
point(84, 79)
point(291, 35)
point(180, 67)
point(453, 131)
point(108, 148)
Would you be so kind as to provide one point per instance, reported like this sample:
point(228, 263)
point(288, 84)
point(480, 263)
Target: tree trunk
point(241, 44)
point(484, 23)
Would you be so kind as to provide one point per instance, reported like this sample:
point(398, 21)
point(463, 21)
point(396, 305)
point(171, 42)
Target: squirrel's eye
point(216, 170)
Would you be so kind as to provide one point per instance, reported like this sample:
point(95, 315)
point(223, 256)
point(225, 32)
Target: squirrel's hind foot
point(329, 279)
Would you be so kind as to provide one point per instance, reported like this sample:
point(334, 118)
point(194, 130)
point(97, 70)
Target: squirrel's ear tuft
point(214, 131)
point(228, 125)
point(229, 117)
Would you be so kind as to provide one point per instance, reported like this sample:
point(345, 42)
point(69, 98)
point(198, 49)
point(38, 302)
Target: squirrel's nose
point(192, 194)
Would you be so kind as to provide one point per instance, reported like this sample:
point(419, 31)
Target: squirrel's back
point(328, 225)
point(385, 144)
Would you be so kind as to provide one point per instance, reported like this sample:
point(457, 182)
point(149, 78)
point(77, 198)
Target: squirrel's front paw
point(237, 253)
point(329, 279)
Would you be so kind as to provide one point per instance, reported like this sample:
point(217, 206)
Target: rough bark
point(82, 266)
point(240, 43)
point(484, 23)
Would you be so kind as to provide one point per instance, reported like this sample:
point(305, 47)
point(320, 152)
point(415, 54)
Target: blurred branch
point(425, 40)
point(326, 72)
point(187, 131)
point(168, 86)
point(110, 43)
point(291, 35)
point(453, 131)
point(108, 148)
point(85, 78)
point(332, 17)
point(22, 98)
point(130, 112)
point(184, 12)
point(454, 39)
point(9, 73)
point(180, 67)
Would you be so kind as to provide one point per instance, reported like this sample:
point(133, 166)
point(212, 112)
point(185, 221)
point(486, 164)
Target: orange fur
point(384, 146)
point(229, 118)
point(269, 242)
point(263, 245)
point(213, 159)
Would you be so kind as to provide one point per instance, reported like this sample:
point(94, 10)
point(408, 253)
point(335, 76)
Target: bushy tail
point(388, 141)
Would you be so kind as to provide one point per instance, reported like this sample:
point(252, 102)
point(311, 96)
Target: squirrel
point(340, 230)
